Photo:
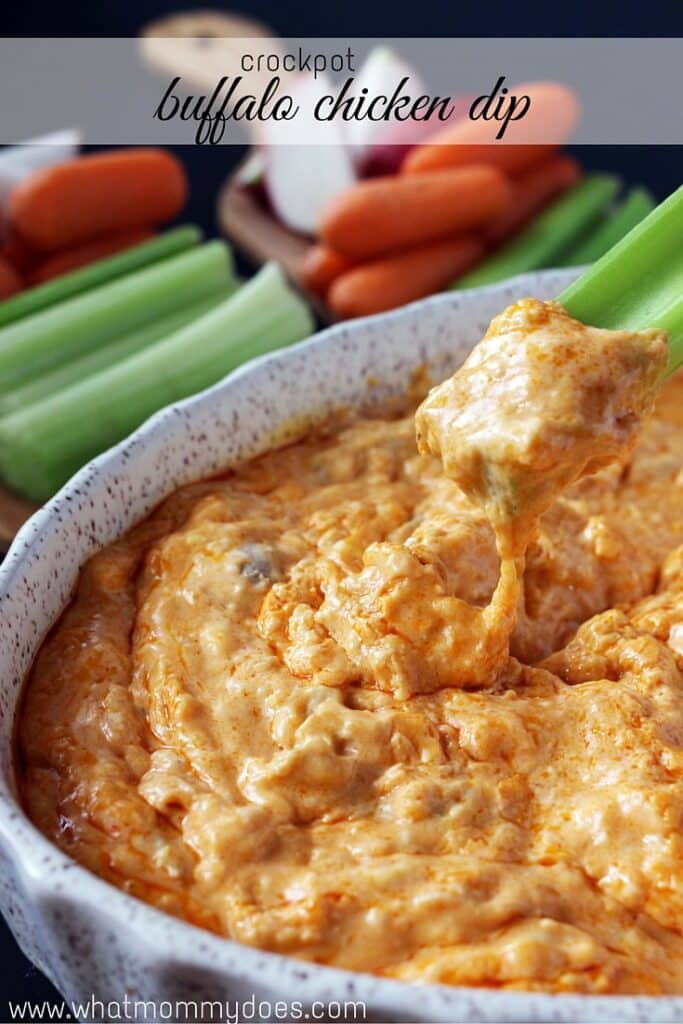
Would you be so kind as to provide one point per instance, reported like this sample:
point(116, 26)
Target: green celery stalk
point(638, 203)
point(639, 282)
point(43, 444)
point(100, 272)
point(79, 369)
point(64, 332)
point(554, 230)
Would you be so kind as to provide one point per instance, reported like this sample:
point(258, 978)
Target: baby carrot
point(320, 267)
point(510, 159)
point(548, 123)
point(10, 282)
point(395, 280)
point(80, 255)
point(385, 214)
point(73, 202)
point(533, 190)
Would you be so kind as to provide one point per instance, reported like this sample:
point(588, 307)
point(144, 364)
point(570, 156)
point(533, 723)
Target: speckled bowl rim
point(175, 939)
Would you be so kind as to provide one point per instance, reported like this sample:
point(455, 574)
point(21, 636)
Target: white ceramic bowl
point(92, 939)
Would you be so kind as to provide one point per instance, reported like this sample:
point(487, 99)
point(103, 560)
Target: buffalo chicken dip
point(408, 707)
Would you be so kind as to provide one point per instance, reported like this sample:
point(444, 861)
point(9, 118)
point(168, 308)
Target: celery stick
point(79, 369)
point(42, 445)
point(670, 319)
point(544, 239)
point(638, 203)
point(639, 282)
point(98, 273)
point(64, 332)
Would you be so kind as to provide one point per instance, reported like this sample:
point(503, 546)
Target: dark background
point(660, 168)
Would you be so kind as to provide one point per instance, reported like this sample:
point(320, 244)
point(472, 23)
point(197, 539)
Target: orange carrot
point(410, 275)
point(320, 267)
point(10, 282)
point(385, 214)
point(549, 122)
point(533, 190)
point(441, 156)
point(70, 259)
point(74, 202)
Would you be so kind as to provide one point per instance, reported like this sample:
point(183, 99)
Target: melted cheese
point(304, 707)
point(541, 401)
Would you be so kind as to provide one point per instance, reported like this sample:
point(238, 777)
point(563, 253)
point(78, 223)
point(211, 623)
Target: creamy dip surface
point(348, 705)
